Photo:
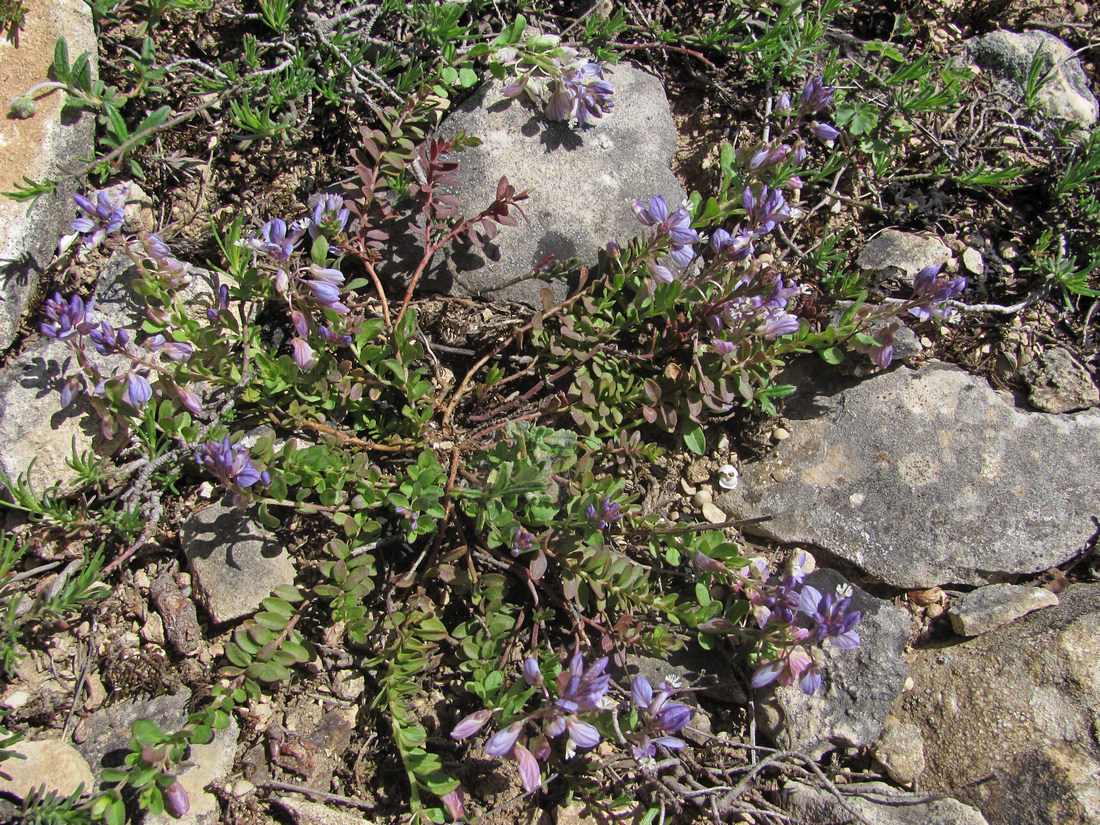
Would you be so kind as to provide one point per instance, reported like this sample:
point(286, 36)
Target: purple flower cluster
point(101, 218)
point(522, 541)
point(306, 286)
point(580, 94)
point(603, 516)
point(230, 464)
point(930, 291)
point(793, 616)
point(330, 217)
point(673, 229)
point(757, 307)
point(579, 689)
point(661, 719)
point(68, 318)
point(569, 86)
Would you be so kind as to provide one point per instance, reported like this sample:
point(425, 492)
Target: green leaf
point(467, 77)
point(61, 60)
point(832, 355)
point(319, 251)
point(695, 439)
point(146, 732)
point(201, 735)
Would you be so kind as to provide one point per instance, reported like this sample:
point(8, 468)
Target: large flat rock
point(927, 477)
point(1009, 719)
point(583, 182)
point(39, 147)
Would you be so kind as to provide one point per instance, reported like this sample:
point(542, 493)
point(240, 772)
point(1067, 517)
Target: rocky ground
point(955, 491)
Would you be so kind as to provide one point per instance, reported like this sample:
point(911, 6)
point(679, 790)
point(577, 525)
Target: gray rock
point(313, 813)
point(48, 764)
point(1008, 57)
point(583, 182)
point(1009, 719)
point(1059, 383)
point(988, 608)
point(894, 255)
point(104, 736)
point(877, 803)
point(858, 687)
point(925, 477)
point(210, 763)
point(39, 147)
point(33, 426)
point(235, 562)
point(900, 750)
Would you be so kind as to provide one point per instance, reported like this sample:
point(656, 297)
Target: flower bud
point(176, 800)
point(542, 42)
point(23, 107)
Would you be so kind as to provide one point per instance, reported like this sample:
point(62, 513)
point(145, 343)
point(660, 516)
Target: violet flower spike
point(101, 218)
point(229, 463)
point(108, 340)
point(677, 226)
point(932, 291)
point(68, 318)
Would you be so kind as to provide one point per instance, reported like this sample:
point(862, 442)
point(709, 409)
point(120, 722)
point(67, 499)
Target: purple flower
point(101, 218)
point(108, 340)
point(221, 304)
point(229, 463)
point(333, 337)
point(766, 211)
point(455, 803)
point(67, 318)
point(815, 96)
point(330, 217)
point(471, 724)
point(882, 354)
point(275, 240)
point(606, 515)
point(304, 356)
point(176, 350)
point(580, 688)
point(823, 131)
point(522, 541)
point(831, 617)
point(176, 801)
point(69, 389)
point(502, 742)
point(580, 95)
point(189, 398)
point(532, 673)
point(794, 664)
point(677, 226)
point(664, 717)
point(529, 772)
point(137, 392)
point(930, 291)
point(735, 247)
point(412, 516)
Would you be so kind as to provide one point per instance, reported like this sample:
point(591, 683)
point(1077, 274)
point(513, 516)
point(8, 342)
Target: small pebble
point(687, 488)
point(702, 498)
point(972, 260)
point(16, 699)
point(781, 434)
point(242, 787)
point(934, 611)
point(713, 514)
